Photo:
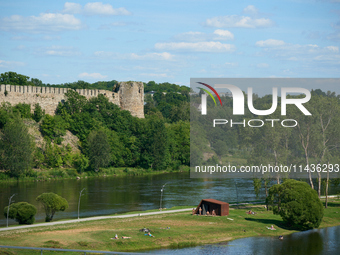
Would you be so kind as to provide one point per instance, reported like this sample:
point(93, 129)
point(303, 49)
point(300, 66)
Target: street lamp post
point(160, 206)
point(9, 204)
point(236, 193)
point(80, 194)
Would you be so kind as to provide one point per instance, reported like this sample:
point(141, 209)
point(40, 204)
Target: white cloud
point(251, 9)
point(163, 75)
point(10, 64)
point(224, 34)
point(51, 38)
point(45, 22)
point(163, 56)
point(238, 21)
point(99, 8)
point(115, 24)
point(92, 76)
point(73, 8)
point(307, 53)
point(61, 51)
point(333, 48)
point(95, 8)
point(134, 56)
point(270, 43)
point(198, 46)
point(231, 64)
point(191, 36)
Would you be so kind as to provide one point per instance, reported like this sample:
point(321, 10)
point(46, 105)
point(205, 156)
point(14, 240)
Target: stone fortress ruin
point(127, 95)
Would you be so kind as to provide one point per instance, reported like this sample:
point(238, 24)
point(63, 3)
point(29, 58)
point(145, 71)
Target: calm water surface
point(112, 195)
point(313, 242)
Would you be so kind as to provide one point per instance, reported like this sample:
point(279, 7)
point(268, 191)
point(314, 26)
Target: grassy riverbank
point(170, 231)
point(70, 173)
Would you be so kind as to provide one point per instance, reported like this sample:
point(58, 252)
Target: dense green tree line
point(13, 78)
point(173, 106)
point(108, 137)
point(165, 87)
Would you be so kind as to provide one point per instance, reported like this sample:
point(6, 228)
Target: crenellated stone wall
point(128, 96)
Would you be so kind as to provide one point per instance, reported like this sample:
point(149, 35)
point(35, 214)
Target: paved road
point(94, 218)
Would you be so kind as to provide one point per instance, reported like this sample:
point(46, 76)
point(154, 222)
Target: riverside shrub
point(52, 203)
point(22, 212)
point(297, 203)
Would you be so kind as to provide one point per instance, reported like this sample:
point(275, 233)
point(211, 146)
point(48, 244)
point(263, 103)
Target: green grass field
point(184, 230)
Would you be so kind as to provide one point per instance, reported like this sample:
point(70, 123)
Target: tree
point(306, 130)
point(327, 137)
point(154, 149)
point(257, 186)
point(23, 109)
point(13, 78)
point(99, 149)
point(80, 162)
point(297, 203)
point(74, 103)
point(16, 148)
point(38, 113)
point(36, 82)
point(53, 127)
point(22, 212)
point(52, 203)
point(220, 148)
point(6, 113)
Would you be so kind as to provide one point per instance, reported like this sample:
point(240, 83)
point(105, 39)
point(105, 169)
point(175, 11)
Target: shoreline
point(134, 214)
point(70, 173)
point(171, 230)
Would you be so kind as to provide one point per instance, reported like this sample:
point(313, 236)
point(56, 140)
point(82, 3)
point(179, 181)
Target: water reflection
point(112, 195)
point(313, 242)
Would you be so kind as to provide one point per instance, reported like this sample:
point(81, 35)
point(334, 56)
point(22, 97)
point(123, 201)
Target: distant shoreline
point(70, 173)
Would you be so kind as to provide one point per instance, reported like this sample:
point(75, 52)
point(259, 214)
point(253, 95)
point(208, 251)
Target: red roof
point(214, 201)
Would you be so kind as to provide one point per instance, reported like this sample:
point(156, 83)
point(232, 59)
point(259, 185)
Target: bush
point(72, 172)
point(3, 176)
point(22, 212)
point(80, 162)
point(297, 203)
point(52, 203)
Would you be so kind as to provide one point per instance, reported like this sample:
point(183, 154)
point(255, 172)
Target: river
point(110, 195)
point(312, 242)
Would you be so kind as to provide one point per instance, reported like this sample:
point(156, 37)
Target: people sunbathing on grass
point(116, 237)
point(123, 237)
point(271, 228)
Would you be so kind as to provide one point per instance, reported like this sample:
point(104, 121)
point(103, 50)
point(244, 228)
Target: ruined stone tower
point(127, 95)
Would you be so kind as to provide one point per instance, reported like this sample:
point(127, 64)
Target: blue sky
point(169, 41)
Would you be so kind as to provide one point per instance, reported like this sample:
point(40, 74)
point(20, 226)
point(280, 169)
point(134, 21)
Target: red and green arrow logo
point(208, 92)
